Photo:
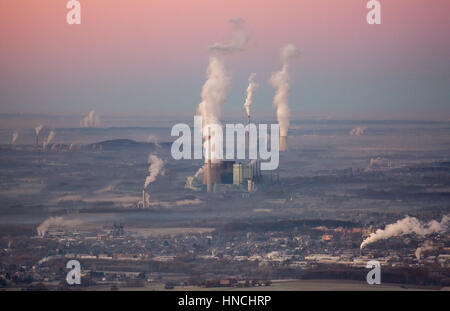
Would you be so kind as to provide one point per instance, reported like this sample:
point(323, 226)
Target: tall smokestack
point(217, 84)
point(15, 136)
point(247, 135)
point(144, 203)
point(208, 171)
point(406, 226)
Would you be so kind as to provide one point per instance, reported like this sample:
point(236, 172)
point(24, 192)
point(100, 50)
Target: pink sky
point(126, 40)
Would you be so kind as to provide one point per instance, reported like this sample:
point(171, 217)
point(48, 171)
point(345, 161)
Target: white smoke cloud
point(214, 94)
point(426, 246)
point(406, 226)
point(155, 168)
point(15, 136)
point(91, 120)
point(281, 81)
point(38, 129)
point(357, 131)
point(217, 84)
point(50, 137)
point(252, 86)
point(239, 38)
point(56, 222)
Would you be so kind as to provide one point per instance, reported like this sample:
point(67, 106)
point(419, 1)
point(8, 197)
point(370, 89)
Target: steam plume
point(155, 168)
point(38, 129)
point(281, 80)
point(357, 131)
point(217, 85)
point(56, 222)
point(15, 136)
point(50, 137)
point(406, 226)
point(252, 86)
point(91, 120)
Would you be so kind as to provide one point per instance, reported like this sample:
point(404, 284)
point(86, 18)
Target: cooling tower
point(283, 143)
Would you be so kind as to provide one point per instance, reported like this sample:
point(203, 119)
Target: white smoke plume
point(239, 38)
point(155, 168)
point(406, 226)
point(426, 246)
point(154, 139)
point(252, 86)
point(50, 137)
point(217, 84)
point(91, 120)
point(281, 81)
point(38, 129)
point(357, 131)
point(56, 222)
point(15, 136)
point(214, 94)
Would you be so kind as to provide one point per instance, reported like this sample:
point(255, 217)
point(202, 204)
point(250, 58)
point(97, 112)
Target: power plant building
point(245, 172)
point(227, 173)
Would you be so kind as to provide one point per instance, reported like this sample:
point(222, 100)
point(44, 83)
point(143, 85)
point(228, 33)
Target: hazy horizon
point(142, 58)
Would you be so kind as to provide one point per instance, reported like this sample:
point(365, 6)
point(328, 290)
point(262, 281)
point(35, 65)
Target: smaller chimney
point(144, 203)
point(208, 173)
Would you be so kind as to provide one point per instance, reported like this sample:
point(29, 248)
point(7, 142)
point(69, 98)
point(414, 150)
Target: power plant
point(228, 175)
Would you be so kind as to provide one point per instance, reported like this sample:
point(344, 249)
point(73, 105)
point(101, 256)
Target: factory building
point(245, 172)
